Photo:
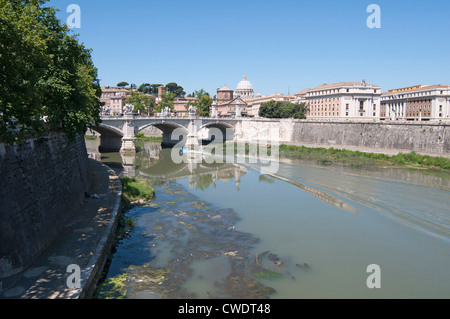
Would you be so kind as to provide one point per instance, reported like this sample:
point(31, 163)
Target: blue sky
point(281, 45)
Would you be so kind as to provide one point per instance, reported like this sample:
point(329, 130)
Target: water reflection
point(210, 235)
point(154, 162)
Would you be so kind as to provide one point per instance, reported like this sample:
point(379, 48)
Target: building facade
point(227, 100)
point(114, 100)
point(420, 103)
point(344, 100)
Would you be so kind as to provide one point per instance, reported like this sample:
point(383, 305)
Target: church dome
point(245, 89)
point(244, 84)
point(225, 88)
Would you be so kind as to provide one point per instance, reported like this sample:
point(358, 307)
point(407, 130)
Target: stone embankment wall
point(42, 181)
point(426, 137)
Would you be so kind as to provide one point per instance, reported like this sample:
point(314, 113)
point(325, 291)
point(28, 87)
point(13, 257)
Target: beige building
point(114, 99)
point(227, 101)
point(344, 100)
point(180, 104)
point(421, 103)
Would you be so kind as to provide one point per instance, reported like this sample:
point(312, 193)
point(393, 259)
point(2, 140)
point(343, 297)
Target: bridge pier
point(128, 139)
point(192, 136)
point(238, 134)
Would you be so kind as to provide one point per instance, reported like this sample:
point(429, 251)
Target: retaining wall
point(426, 137)
point(42, 181)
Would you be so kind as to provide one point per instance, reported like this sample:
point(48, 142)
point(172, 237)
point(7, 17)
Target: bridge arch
point(110, 137)
point(217, 131)
point(173, 133)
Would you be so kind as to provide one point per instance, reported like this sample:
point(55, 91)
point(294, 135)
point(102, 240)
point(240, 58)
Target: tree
point(172, 87)
point(148, 88)
point(122, 84)
point(166, 101)
point(144, 88)
point(142, 103)
point(154, 89)
point(202, 103)
point(269, 109)
point(47, 79)
point(279, 109)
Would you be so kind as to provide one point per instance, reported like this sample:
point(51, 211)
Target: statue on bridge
point(166, 111)
point(192, 110)
point(128, 108)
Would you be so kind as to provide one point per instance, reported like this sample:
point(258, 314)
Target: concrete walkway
point(86, 242)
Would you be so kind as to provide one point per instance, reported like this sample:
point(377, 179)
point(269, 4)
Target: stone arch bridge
point(118, 133)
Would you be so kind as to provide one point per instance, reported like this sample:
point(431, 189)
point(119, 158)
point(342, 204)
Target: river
point(228, 230)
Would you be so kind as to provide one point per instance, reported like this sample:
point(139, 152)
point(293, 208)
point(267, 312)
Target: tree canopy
point(167, 100)
point(142, 103)
point(47, 79)
point(122, 84)
point(174, 88)
point(203, 102)
point(148, 88)
point(280, 109)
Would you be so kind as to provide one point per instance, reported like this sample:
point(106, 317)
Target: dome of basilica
point(245, 89)
point(244, 84)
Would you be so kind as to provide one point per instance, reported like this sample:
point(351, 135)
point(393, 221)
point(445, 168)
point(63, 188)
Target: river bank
point(356, 158)
point(84, 243)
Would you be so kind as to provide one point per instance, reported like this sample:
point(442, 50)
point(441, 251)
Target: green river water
point(226, 230)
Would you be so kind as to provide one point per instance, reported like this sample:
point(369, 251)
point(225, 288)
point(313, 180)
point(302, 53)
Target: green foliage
point(326, 156)
point(148, 88)
point(279, 109)
point(142, 138)
point(133, 189)
point(166, 101)
point(174, 88)
point(122, 84)
point(203, 102)
point(268, 275)
point(141, 102)
point(112, 288)
point(47, 79)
